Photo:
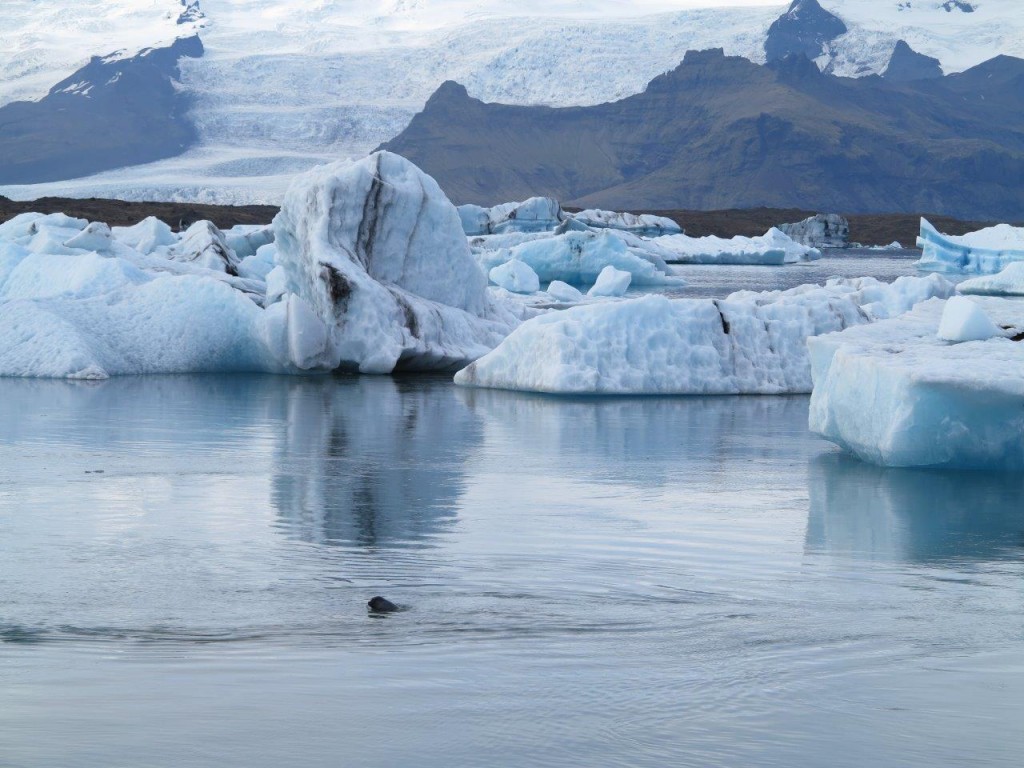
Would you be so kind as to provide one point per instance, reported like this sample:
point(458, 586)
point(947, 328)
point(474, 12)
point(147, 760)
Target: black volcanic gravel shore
point(869, 229)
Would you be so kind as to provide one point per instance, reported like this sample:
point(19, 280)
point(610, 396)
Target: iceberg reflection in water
point(614, 581)
point(914, 515)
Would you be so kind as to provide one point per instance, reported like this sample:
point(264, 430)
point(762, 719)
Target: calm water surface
point(639, 582)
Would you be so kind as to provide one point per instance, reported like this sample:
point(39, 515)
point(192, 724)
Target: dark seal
point(381, 605)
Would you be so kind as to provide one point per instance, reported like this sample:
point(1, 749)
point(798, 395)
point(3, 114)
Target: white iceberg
point(985, 252)
point(379, 254)
point(564, 292)
point(1009, 282)
point(538, 214)
point(823, 230)
point(611, 282)
point(645, 224)
point(515, 276)
point(774, 248)
point(963, 320)
point(895, 394)
point(749, 343)
point(579, 257)
point(146, 236)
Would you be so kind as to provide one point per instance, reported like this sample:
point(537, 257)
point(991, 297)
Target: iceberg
point(963, 320)
point(1009, 282)
point(895, 394)
point(538, 214)
point(379, 254)
point(579, 257)
point(516, 277)
point(366, 268)
point(774, 248)
point(748, 343)
point(984, 252)
point(645, 224)
point(611, 282)
point(823, 230)
point(564, 292)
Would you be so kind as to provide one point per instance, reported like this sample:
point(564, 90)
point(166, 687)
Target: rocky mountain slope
point(722, 132)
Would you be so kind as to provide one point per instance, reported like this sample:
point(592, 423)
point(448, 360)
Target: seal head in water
point(381, 605)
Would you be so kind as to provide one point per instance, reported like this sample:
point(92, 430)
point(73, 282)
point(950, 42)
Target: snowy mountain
point(285, 84)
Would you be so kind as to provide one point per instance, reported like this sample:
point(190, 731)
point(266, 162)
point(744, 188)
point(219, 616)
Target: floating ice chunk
point(560, 291)
point(964, 320)
point(984, 252)
point(642, 224)
point(379, 254)
point(611, 282)
point(538, 214)
point(1009, 282)
point(95, 237)
point(146, 236)
point(823, 230)
point(895, 394)
point(748, 343)
point(772, 248)
point(579, 257)
point(515, 276)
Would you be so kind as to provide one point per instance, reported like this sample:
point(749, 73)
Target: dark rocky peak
point(805, 28)
point(699, 68)
point(906, 64)
point(796, 68)
point(191, 13)
point(448, 92)
point(958, 5)
point(115, 72)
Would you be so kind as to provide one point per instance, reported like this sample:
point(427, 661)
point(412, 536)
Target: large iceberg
point(774, 248)
point(748, 343)
point(579, 257)
point(538, 214)
point(379, 253)
point(984, 252)
point(366, 268)
point(823, 230)
point(645, 224)
point(895, 394)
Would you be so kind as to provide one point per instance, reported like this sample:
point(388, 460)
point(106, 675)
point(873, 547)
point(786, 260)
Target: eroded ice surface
point(748, 343)
point(896, 394)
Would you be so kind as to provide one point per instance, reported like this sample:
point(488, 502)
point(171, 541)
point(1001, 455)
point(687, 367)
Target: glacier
point(365, 268)
point(983, 252)
point(284, 86)
point(748, 343)
point(895, 394)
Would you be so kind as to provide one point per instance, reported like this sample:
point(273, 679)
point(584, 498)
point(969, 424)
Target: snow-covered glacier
point(983, 252)
point(896, 394)
point(366, 268)
point(748, 343)
point(285, 85)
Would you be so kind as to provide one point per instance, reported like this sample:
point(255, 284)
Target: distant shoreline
point(867, 228)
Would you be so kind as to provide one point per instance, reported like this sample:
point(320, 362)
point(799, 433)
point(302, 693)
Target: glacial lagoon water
point(184, 565)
